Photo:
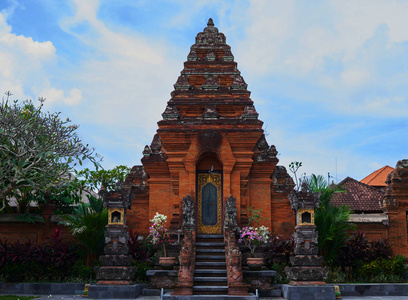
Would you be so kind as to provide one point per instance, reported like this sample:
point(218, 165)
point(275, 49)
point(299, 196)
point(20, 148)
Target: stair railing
point(236, 285)
point(185, 281)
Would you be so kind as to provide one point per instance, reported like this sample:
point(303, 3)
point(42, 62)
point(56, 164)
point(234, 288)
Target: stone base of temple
point(240, 289)
point(114, 282)
point(307, 283)
point(115, 274)
point(97, 291)
point(314, 292)
point(183, 289)
point(169, 296)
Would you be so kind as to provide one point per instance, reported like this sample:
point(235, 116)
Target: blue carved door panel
point(209, 199)
point(209, 202)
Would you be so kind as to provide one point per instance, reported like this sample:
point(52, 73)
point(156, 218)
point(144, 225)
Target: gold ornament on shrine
point(115, 216)
point(305, 217)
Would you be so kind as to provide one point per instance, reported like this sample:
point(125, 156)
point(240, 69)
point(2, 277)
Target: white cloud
point(26, 66)
point(354, 76)
point(54, 95)
point(128, 82)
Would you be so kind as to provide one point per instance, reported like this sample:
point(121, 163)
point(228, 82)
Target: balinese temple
point(210, 144)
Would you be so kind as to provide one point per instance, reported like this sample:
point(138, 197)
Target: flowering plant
point(253, 237)
point(157, 233)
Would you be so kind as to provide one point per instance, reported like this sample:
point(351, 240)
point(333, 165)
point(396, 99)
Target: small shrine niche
point(306, 217)
point(115, 216)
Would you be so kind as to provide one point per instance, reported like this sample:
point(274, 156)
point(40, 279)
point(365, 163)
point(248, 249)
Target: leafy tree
point(38, 150)
point(331, 221)
point(101, 178)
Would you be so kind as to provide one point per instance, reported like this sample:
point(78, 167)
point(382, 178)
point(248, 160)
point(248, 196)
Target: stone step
point(209, 257)
point(210, 250)
point(210, 283)
point(210, 272)
point(211, 263)
point(211, 288)
point(209, 236)
point(199, 244)
point(210, 279)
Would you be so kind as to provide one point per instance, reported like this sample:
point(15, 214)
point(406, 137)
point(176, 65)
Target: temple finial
point(210, 22)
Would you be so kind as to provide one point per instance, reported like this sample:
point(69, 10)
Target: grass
point(12, 297)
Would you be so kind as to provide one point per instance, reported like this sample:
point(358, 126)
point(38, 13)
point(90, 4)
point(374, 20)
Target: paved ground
point(77, 297)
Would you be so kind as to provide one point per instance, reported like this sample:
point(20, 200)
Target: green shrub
point(384, 268)
point(142, 268)
point(83, 272)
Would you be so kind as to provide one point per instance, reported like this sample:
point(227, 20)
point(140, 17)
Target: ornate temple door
point(209, 204)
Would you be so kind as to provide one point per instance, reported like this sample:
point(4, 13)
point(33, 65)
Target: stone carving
point(272, 151)
point(171, 113)
point(147, 151)
point(238, 83)
point(211, 83)
point(210, 56)
point(228, 55)
point(231, 212)
point(116, 262)
point(184, 285)
point(306, 264)
point(210, 112)
point(188, 212)
point(192, 56)
point(156, 144)
point(236, 284)
point(182, 83)
point(210, 35)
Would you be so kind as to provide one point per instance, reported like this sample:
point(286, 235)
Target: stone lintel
point(368, 218)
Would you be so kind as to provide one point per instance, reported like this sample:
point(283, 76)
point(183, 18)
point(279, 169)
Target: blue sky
point(328, 78)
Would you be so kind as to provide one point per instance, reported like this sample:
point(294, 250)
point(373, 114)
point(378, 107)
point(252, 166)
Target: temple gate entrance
point(209, 194)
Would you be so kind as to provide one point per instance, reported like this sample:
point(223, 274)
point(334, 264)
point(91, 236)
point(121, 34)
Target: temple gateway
point(209, 145)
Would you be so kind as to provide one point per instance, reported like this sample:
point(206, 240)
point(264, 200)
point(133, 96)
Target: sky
point(329, 79)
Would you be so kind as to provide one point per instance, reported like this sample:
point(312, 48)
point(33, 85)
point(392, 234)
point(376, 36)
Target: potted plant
point(252, 237)
point(159, 236)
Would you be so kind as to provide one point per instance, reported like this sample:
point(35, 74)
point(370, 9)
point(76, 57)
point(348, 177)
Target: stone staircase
point(210, 275)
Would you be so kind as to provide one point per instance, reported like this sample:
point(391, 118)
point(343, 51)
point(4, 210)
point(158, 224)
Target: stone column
point(306, 264)
point(185, 281)
point(116, 262)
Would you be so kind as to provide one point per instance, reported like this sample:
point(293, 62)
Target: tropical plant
point(26, 261)
point(37, 149)
point(158, 234)
point(139, 249)
point(331, 221)
point(87, 224)
point(253, 237)
point(279, 250)
point(254, 215)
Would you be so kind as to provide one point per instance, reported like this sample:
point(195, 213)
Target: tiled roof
point(359, 197)
point(378, 178)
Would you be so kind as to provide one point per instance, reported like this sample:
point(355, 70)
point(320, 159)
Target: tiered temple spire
point(210, 80)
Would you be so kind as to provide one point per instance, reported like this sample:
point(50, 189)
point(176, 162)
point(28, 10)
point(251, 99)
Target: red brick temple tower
point(210, 144)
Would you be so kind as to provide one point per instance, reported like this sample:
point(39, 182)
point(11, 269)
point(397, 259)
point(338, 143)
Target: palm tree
point(87, 224)
point(331, 221)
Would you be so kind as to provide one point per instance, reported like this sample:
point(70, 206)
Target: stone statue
point(188, 212)
point(231, 212)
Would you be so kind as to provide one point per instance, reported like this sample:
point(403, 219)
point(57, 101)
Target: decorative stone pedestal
point(115, 269)
point(306, 267)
